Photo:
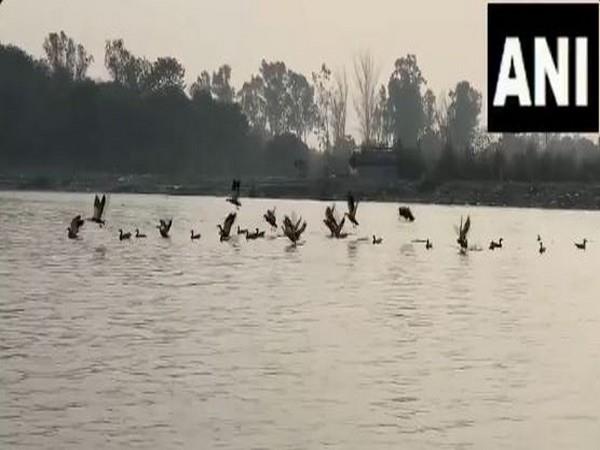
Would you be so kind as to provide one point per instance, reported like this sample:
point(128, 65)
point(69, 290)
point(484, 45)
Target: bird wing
point(76, 222)
point(467, 226)
point(101, 205)
point(168, 225)
point(352, 204)
point(229, 220)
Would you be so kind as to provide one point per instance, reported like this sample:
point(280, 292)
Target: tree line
point(146, 120)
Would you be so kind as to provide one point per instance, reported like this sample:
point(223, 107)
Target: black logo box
point(549, 20)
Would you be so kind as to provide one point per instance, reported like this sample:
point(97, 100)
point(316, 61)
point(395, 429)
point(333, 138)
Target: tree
point(405, 100)
point(324, 100)
point(221, 87)
point(381, 124)
point(253, 104)
point(202, 86)
point(463, 114)
point(65, 58)
point(300, 109)
point(366, 75)
point(339, 107)
point(167, 74)
point(124, 68)
point(274, 90)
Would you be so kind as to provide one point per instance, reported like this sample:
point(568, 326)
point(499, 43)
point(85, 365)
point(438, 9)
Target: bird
point(331, 221)
point(377, 240)
point(406, 213)
point(463, 231)
point(73, 229)
point(235, 193)
point(539, 238)
point(138, 234)
point(428, 245)
point(352, 208)
point(495, 245)
point(293, 229)
point(164, 227)
point(242, 230)
point(99, 207)
point(124, 236)
point(193, 236)
point(270, 218)
point(582, 245)
point(542, 248)
point(225, 229)
point(255, 235)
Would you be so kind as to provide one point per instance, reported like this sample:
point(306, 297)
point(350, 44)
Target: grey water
point(168, 343)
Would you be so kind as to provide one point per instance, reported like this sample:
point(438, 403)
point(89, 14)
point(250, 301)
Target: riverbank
point(514, 194)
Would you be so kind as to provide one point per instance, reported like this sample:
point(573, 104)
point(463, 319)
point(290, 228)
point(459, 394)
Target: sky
point(448, 37)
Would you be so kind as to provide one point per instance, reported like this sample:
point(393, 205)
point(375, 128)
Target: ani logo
point(543, 67)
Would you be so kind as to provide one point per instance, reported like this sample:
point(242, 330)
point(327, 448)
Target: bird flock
point(292, 226)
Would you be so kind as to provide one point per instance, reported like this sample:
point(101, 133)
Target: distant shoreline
point(475, 193)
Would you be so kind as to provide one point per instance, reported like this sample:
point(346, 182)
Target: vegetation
point(144, 120)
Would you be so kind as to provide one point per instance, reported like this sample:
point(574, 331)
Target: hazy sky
point(447, 36)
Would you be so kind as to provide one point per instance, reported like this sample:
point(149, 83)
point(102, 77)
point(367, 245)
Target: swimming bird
point(164, 227)
point(124, 236)
point(242, 231)
point(406, 213)
point(377, 240)
point(542, 248)
point(73, 229)
point(255, 235)
point(293, 230)
point(495, 245)
point(270, 218)
point(428, 245)
point(463, 231)
point(235, 193)
point(138, 234)
point(193, 236)
point(352, 208)
point(225, 229)
point(582, 245)
point(99, 207)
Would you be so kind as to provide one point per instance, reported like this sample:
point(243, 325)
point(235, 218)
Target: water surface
point(334, 344)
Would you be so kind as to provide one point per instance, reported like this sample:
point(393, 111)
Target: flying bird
point(124, 236)
point(138, 234)
point(406, 213)
point(332, 222)
point(495, 245)
point(73, 229)
point(293, 230)
point(270, 218)
point(99, 207)
point(463, 231)
point(582, 245)
point(352, 208)
point(225, 229)
point(164, 227)
point(235, 193)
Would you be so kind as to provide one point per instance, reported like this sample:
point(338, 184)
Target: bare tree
point(339, 107)
point(441, 116)
point(365, 102)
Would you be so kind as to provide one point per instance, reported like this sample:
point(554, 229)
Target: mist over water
point(160, 343)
